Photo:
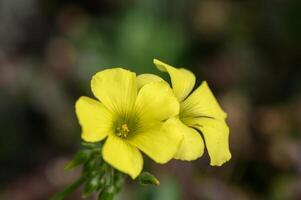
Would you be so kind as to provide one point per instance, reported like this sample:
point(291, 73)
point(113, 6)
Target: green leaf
point(147, 178)
point(79, 158)
point(68, 190)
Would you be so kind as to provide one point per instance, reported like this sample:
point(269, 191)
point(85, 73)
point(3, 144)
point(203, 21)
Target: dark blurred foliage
point(248, 51)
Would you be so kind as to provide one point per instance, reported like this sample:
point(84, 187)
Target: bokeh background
point(248, 51)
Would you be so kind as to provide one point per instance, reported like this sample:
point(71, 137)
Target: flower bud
point(147, 178)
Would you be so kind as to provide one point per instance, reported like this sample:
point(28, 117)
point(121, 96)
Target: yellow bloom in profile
point(131, 121)
point(199, 111)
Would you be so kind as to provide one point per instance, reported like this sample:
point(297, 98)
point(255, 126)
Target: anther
point(122, 131)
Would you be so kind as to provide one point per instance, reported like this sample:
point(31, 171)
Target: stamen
point(125, 128)
point(122, 131)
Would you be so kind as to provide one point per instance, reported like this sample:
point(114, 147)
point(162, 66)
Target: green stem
point(61, 195)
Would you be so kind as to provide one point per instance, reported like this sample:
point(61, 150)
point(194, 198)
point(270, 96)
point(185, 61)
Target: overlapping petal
point(192, 145)
point(202, 111)
point(116, 88)
point(122, 156)
point(143, 79)
point(155, 103)
point(94, 118)
point(182, 79)
point(160, 143)
point(216, 135)
point(202, 103)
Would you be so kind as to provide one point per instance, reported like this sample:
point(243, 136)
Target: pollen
point(122, 131)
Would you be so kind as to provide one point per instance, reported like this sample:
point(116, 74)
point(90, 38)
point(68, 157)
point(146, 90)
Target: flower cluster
point(135, 114)
point(143, 113)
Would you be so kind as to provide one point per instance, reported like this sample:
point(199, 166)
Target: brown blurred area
point(248, 51)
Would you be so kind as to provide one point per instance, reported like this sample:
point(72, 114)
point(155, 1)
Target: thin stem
point(61, 195)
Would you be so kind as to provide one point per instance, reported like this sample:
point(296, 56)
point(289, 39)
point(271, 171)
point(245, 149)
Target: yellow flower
point(198, 111)
point(130, 120)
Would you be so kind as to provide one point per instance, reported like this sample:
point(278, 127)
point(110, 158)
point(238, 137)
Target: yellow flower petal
point(116, 89)
point(201, 103)
point(143, 79)
point(122, 156)
point(160, 143)
point(94, 118)
point(155, 103)
point(182, 79)
point(192, 145)
point(216, 134)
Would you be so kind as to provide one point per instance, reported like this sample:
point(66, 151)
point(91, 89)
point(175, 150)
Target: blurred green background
point(248, 51)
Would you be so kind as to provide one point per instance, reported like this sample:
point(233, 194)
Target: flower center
point(122, 131)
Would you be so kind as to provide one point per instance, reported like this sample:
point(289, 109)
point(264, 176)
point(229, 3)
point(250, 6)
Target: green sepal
point(118, 180)
point(79, 158)
point(92, 185)
point(107, 193)
point(68, 190)
point(94, 165)
point(93, 145)
point(147, 178)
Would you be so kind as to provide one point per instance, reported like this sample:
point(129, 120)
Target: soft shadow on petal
point(116, 88)
point(182, 79)
point(159, 143)
point(192, 145)
point(216, 134)
point(94, 118)
point(122, 156)
point(201, 103)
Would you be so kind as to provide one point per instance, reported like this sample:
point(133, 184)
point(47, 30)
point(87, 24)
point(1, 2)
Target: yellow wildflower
point(198, 111)
point(130, 120)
